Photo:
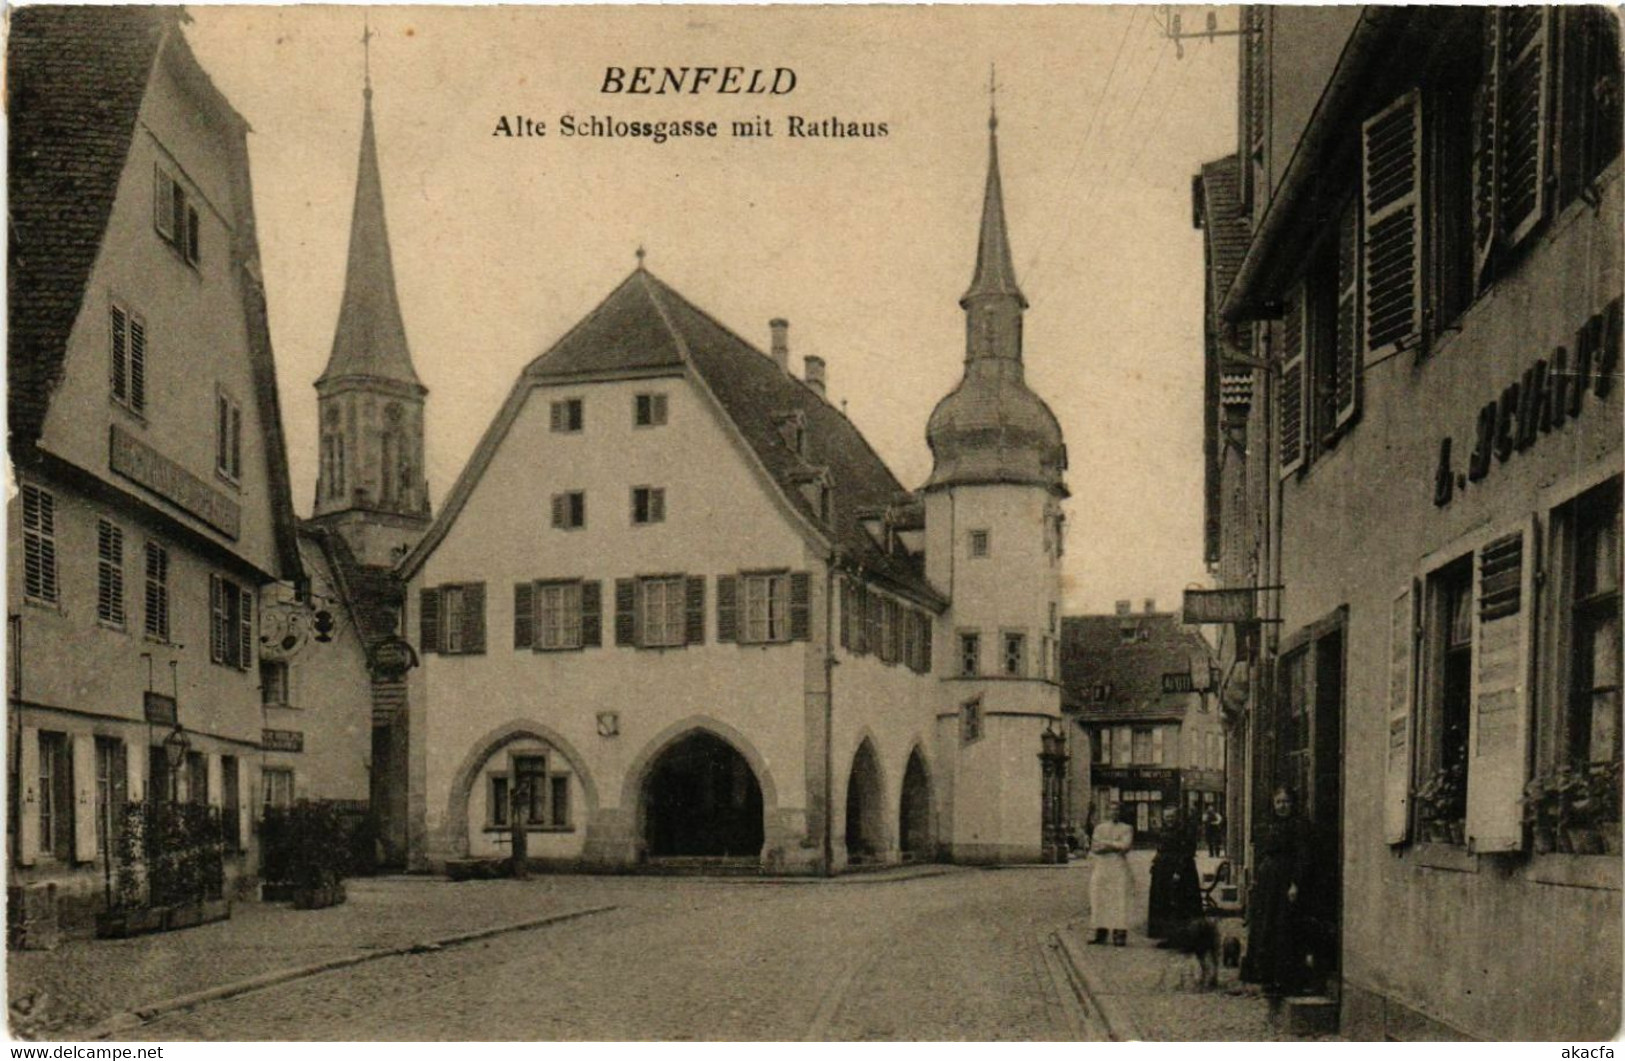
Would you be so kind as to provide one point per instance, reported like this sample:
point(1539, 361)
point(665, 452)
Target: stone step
point(1308, 1015)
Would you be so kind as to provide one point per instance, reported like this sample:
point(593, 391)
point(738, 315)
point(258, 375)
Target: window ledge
point(504, 830)
point(225, 479)
point(1446, 857)
point(1601, 872)
point(117, 628)
point(125, 408)
point(45, 605)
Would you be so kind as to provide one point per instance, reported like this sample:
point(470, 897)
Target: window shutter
point(1391, 144)
point(138, 364)
point(592, 615)
point(474, 617)
point(1525, 126)
point(860, 620)
point(556, 416)
point(626, 603)
point(925, 645)
point(163, 203)
point(217, 619)
point(245, 627)
point(118, 356)
point(800, 606)
point(110, 583)
point(191, 235)
point(727, 608)
point(524, 594)
point(1486, 108)
point(28, 812)
point(429, 620)
point(1346, 388)
point(558, 510)
point(1498, 733)
point(1401, 687)
point(694, 617)
point(84, 797)
point(1290, 401)
point(846, 614)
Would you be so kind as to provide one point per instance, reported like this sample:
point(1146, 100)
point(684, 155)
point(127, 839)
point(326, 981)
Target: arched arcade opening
point(701, 799)
point(915, 835)
point(865, 808)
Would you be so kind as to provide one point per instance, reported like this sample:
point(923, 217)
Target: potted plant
point(1540, 813)
point(1602, 784)
point(1441, 805)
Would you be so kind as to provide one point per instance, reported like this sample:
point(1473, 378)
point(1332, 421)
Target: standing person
point(1109, 879)
point(1213, 826)
point(1277, 954)
point(1176, 892)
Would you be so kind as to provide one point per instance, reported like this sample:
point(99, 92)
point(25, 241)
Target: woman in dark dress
point(1176, 892)
point(1277, 945)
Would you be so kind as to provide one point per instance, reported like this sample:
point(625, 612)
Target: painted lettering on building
point(140, 463)
point(282, 740)
point(1550, 392)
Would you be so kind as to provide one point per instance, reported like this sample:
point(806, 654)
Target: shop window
point(1590, 729)
point(1446, 705)
point(277, 783)
point(112, 789)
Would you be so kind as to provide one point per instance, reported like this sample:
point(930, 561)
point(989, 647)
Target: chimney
point(1125, 607)
point(814, 367)
point(1150, 605)
point(781, 343)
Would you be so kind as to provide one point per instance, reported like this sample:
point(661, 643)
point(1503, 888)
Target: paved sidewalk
point(83, 982)
point(1142, 992)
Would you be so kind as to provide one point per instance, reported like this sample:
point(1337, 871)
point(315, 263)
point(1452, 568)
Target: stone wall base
point(1371, 1016)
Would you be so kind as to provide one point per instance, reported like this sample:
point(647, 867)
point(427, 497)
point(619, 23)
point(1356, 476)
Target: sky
point(865, 245)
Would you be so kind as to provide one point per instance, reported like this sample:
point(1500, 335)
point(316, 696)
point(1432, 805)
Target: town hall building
point(677, 608)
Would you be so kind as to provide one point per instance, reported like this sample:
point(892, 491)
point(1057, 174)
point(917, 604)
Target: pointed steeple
point(370, 340)
point(995, 273)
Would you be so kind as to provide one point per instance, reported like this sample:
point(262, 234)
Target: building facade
point(676, 607)
point(152, 504)
point(1414, 423)
point(1138, 688)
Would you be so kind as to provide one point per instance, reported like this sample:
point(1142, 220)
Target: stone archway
point(915, 836)
point(865, 807)
point(701, 798)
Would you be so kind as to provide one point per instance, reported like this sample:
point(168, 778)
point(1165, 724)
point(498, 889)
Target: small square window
point(979, 543)
point(566, 415)
point(649, 410)
point(570, 510)
point(970, 654)
point(648, 504)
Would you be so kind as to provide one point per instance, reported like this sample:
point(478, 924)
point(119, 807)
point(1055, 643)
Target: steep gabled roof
point(75, 78)
point(1096, 653)
point(646, 326)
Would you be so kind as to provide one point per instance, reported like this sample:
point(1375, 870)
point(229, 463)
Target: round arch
point(494, 741)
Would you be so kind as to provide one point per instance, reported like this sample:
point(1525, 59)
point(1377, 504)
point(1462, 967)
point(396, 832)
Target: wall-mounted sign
point(140, 463)
point(282, 740)
point(160, 709)
point(1550, 392)
point(1221, 605)
point(392, 658)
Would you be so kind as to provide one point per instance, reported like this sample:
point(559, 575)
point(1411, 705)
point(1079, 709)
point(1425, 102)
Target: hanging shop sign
point(392, 658)
point(160, 709)
point(1550, 393)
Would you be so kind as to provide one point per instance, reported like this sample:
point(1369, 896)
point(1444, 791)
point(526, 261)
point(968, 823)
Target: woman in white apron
point(1109, 880)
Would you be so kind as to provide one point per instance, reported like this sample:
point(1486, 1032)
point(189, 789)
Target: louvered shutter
point(163, 203)
point(727, 608)
point(138, 364)
point(1291, 403)
point(694, 610)
point(1498, 733)
point(1524, 118)
point(217, 619)
point(191, 235)
point(592, 615)
point(1391, 152)
point(556, 416)
point(626, 603)
point(558, 510)
point(429, 620)
point(800, 606)
point(1346, 350)
point(524, 595)
point(118, 355)
point(245, 628)
point(29, 813)
point(110, 572)
point(846, 614)
point(925, 645)
point(860, 619)
point(1486, 108)
point(474, 617)
point(1401, 689)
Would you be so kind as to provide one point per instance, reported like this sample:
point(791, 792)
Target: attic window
point(793, 430)
point(173, 216)
point(649, 410)
point(566, 415)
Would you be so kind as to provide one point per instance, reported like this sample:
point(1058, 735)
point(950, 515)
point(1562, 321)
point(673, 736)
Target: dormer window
point(793, 430)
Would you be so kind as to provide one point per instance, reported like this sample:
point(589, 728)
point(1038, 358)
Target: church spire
point(995, 273)
point(370, 340)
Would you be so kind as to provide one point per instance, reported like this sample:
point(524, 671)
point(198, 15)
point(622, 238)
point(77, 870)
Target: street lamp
point(1053, 757)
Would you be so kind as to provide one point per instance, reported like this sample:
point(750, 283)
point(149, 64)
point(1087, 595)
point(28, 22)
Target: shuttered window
point(173, 215)
point(452, 619)
point(648, 504)
point(1485, 148)
point(570, 510)
point(245, 628)
point(566, 416)
point(558, 615)
point(109, 572)
point(1401, 686)
point(128, 358)
point(1590, 79)
point(39, 545)
point(163, 204)
point(1345, 360)
point(157, 591)
point(1391, 154)
point(767, 608)
point(1291, 403)
point(649, 410)
point(1502, 671)
point(661, 611)
point(231, 623)
point(228, 436)
point(1523, 113)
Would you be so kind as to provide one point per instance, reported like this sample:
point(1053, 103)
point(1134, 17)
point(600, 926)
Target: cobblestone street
point(957, 956)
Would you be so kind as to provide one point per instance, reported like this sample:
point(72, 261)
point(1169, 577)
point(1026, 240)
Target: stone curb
point(146, 1014)
point(1102, 1007)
